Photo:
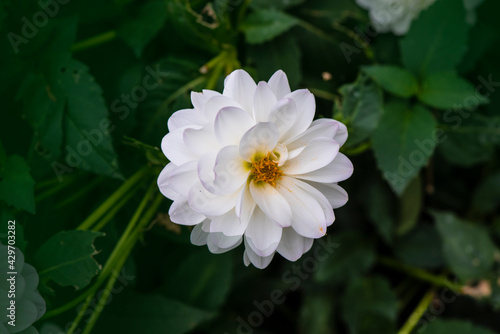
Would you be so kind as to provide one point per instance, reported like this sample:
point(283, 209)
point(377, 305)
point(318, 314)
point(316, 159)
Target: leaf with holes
point(67, 258)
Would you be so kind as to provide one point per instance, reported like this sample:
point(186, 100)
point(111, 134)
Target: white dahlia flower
point(250, 165)
point(394, 15)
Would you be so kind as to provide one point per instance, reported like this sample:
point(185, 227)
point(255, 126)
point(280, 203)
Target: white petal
point(230, 125)
point(205, 171)
point(163, 185)
point(175, 149)
point(279, 84)
point(219, 243)
point(200, 99)
point(341, 135)
point(185, 118)
point(182, 178)
point(320, 128)
point(245, 205)
point(271, 203)
point(198, 236)
point(206, 225)
point(261, 138)
point(181, 213)
point(201, 141)
point(402, 24)
point(293, 245)
point(339, 169)
point(320, 198)
point(260, 262)
point(229, 224)
point(317, 154)
point(230, 171)
point(240, 86)
point(246, 259)
point(264, 101)
point(308, 216)
point(283, 115)
point(335, 194)
point(215, 104)
point(306, 107)
point(262, 234)
point(295, 152)
point(206, 203)
point(281, 152)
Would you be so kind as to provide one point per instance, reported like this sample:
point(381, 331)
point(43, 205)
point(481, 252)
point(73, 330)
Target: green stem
point(324, 94)
point(358, 149)
point(118, 255)
point(84, 308)
point(318, 32)
point(98, 227)
point(408, 295)
point(94, 41)
point(118, 250)
point(214, 76)
point(106, 293)
point(243, 10)
point(80, 192)
point(423, 275)
point(113, 199)
point(365, 46)
point(54, 181)
point(190, 85)
point(417, 313)
point(56, 188)
point(120, 263)
point(111, 213)
point(68, 306)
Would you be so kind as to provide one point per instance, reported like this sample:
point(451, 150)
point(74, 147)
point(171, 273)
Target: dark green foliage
point(86, 96)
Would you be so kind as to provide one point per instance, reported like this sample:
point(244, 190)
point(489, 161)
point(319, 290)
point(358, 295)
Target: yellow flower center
point(264, 169)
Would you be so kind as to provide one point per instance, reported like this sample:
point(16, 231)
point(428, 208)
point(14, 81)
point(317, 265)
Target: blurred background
point(87, 88)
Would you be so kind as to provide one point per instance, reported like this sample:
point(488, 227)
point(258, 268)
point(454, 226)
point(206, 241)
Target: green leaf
point(355, 255)
point(266, 24)
point(446, 90)
point(276, 4)
point(86, 112)
point(68, 112)
point(17, 187)
point(403, 143)
point(138, 31)
point(361, 108)
point(202, 280)
point(369, 306)
point(281, 53)
point(436, 42)
point(439, 326)
point(316, 315)
point(422, 247)
point(468, 138)
point(467, 247)
point(410, 206)
point(67, 258)
point(45, 114)
point(132, 312)
point(393, 79)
